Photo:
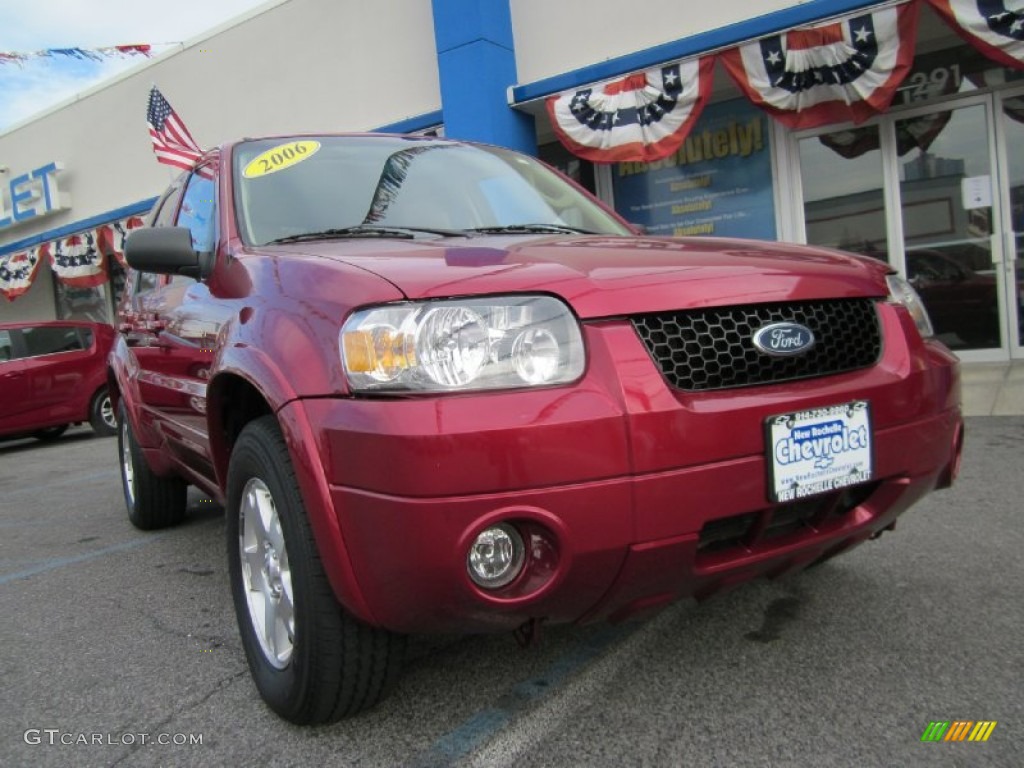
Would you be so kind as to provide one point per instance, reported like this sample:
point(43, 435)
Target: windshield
point(287, 188)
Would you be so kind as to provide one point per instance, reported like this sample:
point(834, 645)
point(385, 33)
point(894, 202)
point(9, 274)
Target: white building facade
point(927, 180)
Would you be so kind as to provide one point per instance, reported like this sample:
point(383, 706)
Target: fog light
point(496, 556)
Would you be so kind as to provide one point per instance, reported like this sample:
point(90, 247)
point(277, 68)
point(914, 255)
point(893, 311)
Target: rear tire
point(102, 418)
point(152, 501)
point(310, 660)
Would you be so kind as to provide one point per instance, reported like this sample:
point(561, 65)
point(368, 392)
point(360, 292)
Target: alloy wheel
point(127, 466)
point(266, 573)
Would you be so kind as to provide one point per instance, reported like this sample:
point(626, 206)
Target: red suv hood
point(607, 276)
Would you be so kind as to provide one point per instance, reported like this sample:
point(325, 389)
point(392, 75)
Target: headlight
point(498, 342)
point(902, 292)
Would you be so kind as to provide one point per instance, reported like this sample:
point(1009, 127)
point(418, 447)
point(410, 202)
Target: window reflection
point(844, 206)
point(946, 203)
point(75, 303)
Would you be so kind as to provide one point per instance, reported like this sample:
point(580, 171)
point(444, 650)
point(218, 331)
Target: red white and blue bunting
point(82, 54)
point(17, 272)
point(845, 70)
point(112, 237)
point(642, 117)
point(911, 133)
point(78, 260)
point(994, 27)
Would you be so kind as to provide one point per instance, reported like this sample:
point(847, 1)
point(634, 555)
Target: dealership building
point(882, 128)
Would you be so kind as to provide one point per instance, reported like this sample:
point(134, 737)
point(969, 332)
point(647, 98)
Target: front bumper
point(632, 494)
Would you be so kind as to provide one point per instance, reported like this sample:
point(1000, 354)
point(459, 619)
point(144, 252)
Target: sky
point(34, 25)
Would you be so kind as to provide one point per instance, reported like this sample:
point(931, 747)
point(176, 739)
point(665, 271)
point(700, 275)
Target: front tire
point(310, 660)
point(102, 418)
point(152, 501)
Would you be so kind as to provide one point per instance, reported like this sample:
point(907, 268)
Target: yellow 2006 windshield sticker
point(280, 157)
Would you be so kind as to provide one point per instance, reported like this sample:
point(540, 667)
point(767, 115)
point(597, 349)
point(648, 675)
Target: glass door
point(842, 180)
point(950, 220)
point(1010, 134)
point(938, 192)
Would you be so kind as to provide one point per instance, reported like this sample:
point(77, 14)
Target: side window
point(163, 212)
point(162, 215)
point(6, 347)
point(197, 212)
point(50, 339)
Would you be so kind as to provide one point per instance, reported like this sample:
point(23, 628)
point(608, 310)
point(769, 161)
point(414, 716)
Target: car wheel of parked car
point(51, 433)
point(101, 414)
point(311, 661)
point(152, 501)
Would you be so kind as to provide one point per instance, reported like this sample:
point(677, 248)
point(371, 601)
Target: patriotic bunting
point(112, 237)
point(912, 133)
point(78, 260)
point(643, 117)
point(91, 54)
point(846, 70)
point(994, 27)
point(17, 272)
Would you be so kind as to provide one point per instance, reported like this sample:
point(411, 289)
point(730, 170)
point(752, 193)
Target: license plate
point(818, 451)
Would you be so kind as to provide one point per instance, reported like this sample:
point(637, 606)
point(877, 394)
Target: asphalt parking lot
point(114, 641)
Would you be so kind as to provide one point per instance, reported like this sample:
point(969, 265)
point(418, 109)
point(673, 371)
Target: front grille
point(713, 348)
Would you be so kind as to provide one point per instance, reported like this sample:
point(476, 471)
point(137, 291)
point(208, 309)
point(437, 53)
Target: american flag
point(172, 143)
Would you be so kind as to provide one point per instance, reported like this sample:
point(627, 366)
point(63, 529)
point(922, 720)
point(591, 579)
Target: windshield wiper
point(515, 229)
point(365, 230)
point(436, 231)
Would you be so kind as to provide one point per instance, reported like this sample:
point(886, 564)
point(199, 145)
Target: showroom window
point(719, 182)
point(844, 200)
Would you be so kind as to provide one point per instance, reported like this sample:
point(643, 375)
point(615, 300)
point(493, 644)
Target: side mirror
point(164, 250)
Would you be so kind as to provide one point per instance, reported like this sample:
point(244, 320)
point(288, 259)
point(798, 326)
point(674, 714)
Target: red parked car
point(54, 374)
point(439, 388)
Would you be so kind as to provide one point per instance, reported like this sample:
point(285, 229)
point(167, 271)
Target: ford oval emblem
point(784, 339)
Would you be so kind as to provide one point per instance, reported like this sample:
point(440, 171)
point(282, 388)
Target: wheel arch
point(234, 400)
point(122, 386)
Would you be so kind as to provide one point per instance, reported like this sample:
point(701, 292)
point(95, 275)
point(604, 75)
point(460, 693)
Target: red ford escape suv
point(52, 375)
point(439, 388)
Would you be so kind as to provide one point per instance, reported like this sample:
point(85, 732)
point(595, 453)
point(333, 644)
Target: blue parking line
point(480, 727)
point(65, 481)
point(467, 737)
point(59, 562)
